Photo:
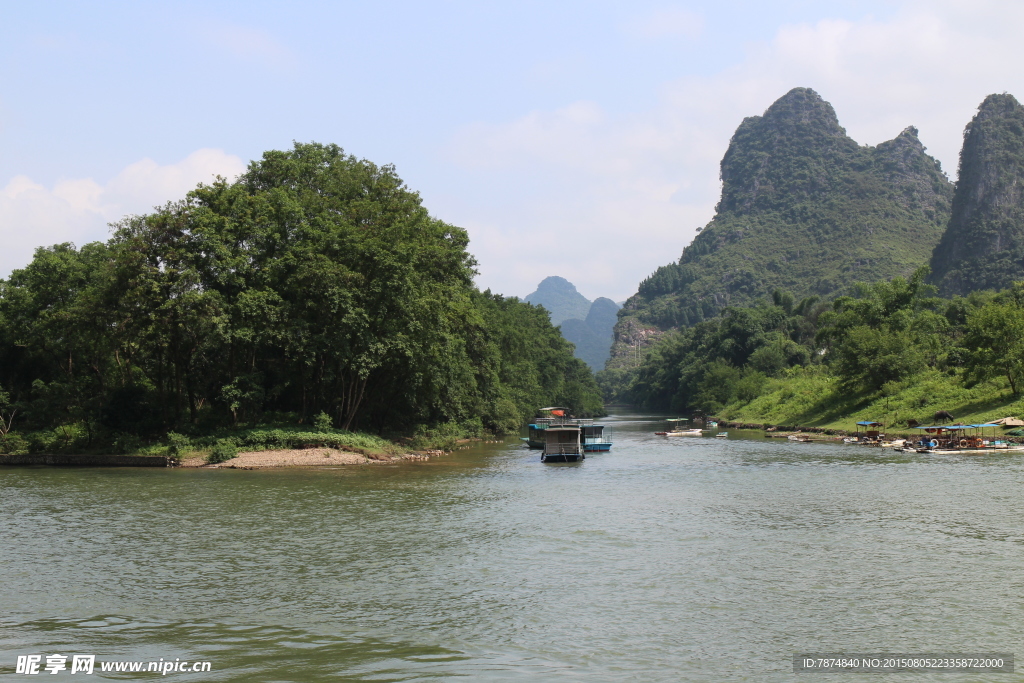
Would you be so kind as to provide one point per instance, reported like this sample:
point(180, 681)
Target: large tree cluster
point(315, 283)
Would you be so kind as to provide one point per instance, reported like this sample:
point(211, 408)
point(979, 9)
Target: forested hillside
point(317, 284)
point(804, 209)
point(983, 248)
point(893, 346)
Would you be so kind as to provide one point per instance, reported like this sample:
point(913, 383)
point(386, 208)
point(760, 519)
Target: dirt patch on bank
point(306, 457)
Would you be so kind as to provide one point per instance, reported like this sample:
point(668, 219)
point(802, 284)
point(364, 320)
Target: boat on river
point(958, 438)
point(675, 428)
point(869, 433)
point(596, 438)
point(563, 443)
point(593, 437)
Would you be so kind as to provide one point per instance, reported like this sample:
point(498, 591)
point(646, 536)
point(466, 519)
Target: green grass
point(291, 438)
point(810, 397)
point(257, 439)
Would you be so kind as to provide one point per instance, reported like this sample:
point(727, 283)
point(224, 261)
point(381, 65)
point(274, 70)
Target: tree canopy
point(315, 283)
point(881, 337)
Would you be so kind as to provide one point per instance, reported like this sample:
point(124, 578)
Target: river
point(693, 559)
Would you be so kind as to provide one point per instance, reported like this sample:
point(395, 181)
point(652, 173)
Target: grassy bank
point(811, 397)
point(221, 445)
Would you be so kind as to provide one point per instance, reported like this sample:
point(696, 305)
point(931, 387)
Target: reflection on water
point(689, 558)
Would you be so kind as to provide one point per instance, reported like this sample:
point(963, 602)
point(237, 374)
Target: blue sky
point(569, 138)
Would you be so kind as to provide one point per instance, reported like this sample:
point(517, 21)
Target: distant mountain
point(983, 247)
point(593, 336)
point(591, 348)
point(603, 315)
point(805, 209)
point(587, 325)
point(560, 297)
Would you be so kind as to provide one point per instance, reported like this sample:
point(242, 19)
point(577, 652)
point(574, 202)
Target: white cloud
point(78, 210)
point(625, 194)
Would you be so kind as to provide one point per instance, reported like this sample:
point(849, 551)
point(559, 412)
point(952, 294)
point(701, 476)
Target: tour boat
point(594, 437)
point(562, 443)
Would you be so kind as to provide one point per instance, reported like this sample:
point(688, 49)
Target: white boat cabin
point(562, 443)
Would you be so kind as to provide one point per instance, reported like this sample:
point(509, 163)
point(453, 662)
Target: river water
point(694, 559)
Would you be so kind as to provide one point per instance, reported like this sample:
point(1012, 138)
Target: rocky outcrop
point(804, 209)
point(983, 246)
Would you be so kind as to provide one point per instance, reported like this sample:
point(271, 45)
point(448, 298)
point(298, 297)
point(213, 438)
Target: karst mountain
point(805, 209)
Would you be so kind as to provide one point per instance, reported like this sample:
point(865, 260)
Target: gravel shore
point(307, 457)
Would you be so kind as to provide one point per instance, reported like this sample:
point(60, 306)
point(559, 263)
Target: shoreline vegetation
point(813, 398)
point(259, 448)
point(311, 302)
point(893, 353)
point(796, 304)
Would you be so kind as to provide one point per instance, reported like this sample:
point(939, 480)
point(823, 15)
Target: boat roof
point(870, 424)
point(562, 428)
point(951, 427)
point(678, 419)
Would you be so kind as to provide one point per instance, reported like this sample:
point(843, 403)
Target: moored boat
point(674, 425)
point(594, 437)
point(562, 443)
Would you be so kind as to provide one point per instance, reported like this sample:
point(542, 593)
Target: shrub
point(178, 444)
point(126, 443)
point(224, 449)
point(14, 444)
point(323, 422)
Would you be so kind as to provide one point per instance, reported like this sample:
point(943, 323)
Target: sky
point(579, 139)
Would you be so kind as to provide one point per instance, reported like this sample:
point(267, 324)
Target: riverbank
point(811, 397)
point(91, 460)
point(265, 446)
point(306, 457)
point(772, 431)
point(250, 460)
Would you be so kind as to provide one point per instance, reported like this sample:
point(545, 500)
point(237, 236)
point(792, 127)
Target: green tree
point(315, 284)
point(995, 343)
